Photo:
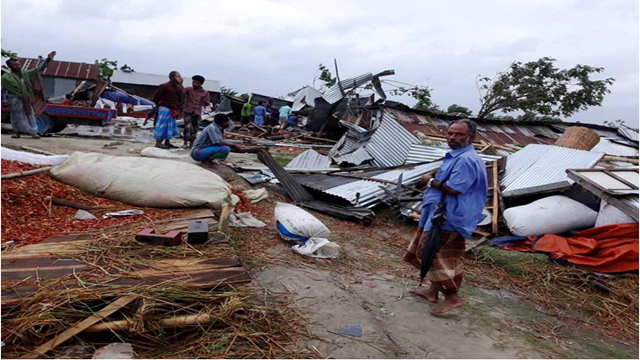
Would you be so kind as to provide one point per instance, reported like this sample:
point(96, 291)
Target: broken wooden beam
point(35, 150)
point(69, 203)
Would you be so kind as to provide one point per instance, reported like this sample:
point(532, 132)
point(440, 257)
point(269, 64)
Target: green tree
point(229, 91)
point(325, 75)
point(420, 93)
point(455, 108)
point(126, 67)
point(244, 96)
point(106, 68)
point(9, 54)
point(541, 88)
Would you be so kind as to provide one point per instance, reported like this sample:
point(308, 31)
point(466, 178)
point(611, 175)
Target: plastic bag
point(551, 215)
point(245, 219)
point(299, 223)
point(319, 248)
point(309, 233)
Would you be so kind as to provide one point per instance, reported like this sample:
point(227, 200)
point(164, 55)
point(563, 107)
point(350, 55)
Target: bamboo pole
point(621, 159)
point(176, 321)
point(37, 151)
point(26, 173)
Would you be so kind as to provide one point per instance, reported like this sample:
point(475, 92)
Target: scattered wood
point(81, 326)
point(35, 150)
point(26, 173)
point(241, 136)
point(319, 139)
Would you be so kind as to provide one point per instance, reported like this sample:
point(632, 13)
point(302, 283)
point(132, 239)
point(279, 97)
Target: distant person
point(168, 100)
point(259, 114)
point(245, 114)
point(67, 100)
point(285, 111)
point(210, 144)
point(293, 121)
point(20, 89)
point(269, 106)
point(195, 97)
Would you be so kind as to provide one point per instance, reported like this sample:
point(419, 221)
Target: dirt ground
point(369, 285)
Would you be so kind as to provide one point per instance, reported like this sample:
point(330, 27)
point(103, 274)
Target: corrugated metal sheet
point(136, 78)
point(422, 153)
point(390, 144)
point(607, 185)
point(306, 96)
point(628, 133)
point(334, 94)
point(611, 148)
point(538, 168)
point(309, 159)
point(64, 69)
point(357, 157)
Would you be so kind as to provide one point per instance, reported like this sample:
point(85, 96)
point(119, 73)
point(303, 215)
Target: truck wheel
point(44, 123)
point(57, 127)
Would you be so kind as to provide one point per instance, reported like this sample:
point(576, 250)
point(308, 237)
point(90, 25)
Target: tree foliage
point(126, 67)
point(455, 108)
point(9, 54)
point(326, 76)
point(229, 92)
point(538, 87)
point(106, 68)
point(420, 93)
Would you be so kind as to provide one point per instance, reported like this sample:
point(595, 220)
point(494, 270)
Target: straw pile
point(166, 320)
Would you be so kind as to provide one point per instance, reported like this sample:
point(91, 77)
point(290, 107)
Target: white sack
point(29, 158)
point(153, 151)
point(300, 222)
point(145, 182)
point(610, 215)
point(552, 215)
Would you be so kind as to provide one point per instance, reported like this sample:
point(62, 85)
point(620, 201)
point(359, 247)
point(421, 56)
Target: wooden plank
point(81, 326)
point(43, 273)
point(199, 280)
point(43, 262)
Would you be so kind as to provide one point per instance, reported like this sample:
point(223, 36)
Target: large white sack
point(609, 215)
point(29, 158)
point(155, 152)
point(552, 215)
point(144, 181)
point(300, 222)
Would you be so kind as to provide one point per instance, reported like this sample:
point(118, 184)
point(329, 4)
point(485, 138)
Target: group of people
point(457, 190)
point(264, 112)
point(173, 101)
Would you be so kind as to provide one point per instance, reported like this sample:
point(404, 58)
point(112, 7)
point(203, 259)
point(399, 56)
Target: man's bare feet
point(431, 294)
point(452, 301)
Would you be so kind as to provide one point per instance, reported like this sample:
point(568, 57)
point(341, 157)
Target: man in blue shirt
point(462, 179)
point(259, 113)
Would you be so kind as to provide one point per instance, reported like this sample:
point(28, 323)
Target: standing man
point(20, 91)
point(462, 178)
point(210, 144)
point(285, 111)
point(195, 97)
point(258, 115)
point(245, 114)
point(169, 100)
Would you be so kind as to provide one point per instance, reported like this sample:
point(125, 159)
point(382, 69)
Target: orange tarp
point(606, 249)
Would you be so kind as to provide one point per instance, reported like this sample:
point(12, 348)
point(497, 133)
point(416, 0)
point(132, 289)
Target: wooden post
point(223, 225)
point(496, 194)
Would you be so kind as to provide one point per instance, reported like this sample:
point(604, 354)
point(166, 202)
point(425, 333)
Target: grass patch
point(283, 159)
point(510, 261)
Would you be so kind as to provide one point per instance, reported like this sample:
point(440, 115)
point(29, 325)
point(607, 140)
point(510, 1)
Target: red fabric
point(606, 249)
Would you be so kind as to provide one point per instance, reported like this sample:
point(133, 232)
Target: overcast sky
point(274, 47)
